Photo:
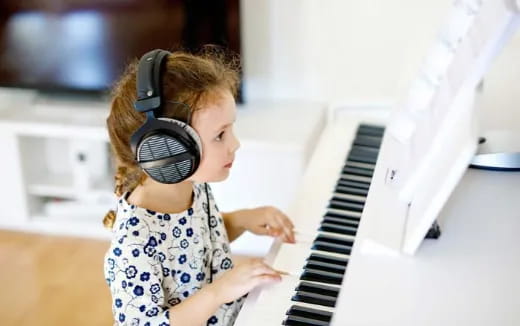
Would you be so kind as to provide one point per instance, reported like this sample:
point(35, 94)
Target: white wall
point(357, 52)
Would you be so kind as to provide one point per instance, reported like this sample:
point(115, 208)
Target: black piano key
point(371, 126)
point(311, 313)
point(366, 166)
point(303, 321)
point(318, 288)
point(340, 221)
point(314, 298)
point(356, 216)
point(326, 267)
point(364, 151)
point(339, 204)
point(358, 171)
point(362, 159)
point(339, 229)
point(351, 191)
point(369, 141)
point(328, 259)
point(353, 184)
point(360, 165)
point(334, 239)
point(321, 276)
point(370, 131)
point(332, 247)
point(356, 178)
point(349, 197)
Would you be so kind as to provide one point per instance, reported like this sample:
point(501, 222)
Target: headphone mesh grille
point(156, 147)
point(171, 172)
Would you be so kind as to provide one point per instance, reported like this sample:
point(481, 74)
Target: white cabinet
point(57, 173)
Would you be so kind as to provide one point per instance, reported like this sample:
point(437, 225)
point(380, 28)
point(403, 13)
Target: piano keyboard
point(324, 268)
point(318, 261)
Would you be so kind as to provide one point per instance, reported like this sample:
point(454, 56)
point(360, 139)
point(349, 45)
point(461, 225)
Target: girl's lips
point(228, 165)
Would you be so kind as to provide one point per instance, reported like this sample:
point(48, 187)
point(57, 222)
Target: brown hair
point(187, 78)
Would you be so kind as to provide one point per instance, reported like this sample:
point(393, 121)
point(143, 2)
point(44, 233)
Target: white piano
point(374, 187)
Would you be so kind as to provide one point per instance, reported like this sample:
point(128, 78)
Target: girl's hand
point(242, 278)
point(266, 220)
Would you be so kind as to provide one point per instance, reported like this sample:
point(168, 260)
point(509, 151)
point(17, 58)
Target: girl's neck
point(164, 198)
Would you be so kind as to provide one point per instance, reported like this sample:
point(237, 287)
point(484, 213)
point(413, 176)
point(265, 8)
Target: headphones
point(168, 150)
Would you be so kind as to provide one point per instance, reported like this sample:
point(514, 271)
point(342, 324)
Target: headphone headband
point(149, 95)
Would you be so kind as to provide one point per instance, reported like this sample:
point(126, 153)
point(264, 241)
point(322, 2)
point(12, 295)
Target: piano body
point(371, 193)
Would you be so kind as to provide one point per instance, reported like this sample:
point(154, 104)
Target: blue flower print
point(200, 276)
point(155, 299)
point(135, 233)
point(138, 290)
point(142, 308)
point(133, 221)
point(152, 312)
point(149, 250)
point(163, 236)
point(123, 284)
point(182, 259)
point(118, 303)
point(150, 212)
point(152, 241)
point(174, 301)
point(135, 252)
point(131, 271)
point(182, 221)
point(185, 294)
point(155, 288)
point(163, 323)
point(213, 320)
point(166, 217)
point(185, 278)
point(145, 276)
point(226, 263)
point(117, 251)
point(165, 272)
point(121, 317)
point(161, 257)
point(120, 241)
point(184, 244)
point(190, 211)
point(176, 232)
point(213, 221)
point(189, 232)
point(112, 276)
point(111, 263)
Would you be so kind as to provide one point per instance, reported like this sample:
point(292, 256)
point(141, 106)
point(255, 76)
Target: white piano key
point(357, 198)
point(355, 178)
point(292, 257)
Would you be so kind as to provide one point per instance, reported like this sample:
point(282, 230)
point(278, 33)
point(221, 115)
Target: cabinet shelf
point(62, 186)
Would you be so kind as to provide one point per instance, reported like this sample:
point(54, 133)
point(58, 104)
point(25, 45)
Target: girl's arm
point(232, 223)
point(266, 220)
point(196, 309)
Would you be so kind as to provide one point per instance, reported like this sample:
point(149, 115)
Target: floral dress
point(156, 260)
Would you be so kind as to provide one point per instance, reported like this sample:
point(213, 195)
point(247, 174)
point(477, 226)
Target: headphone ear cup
point(194, 135)
point(170, 154)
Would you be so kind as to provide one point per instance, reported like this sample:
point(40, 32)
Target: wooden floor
point(54, 281)
point(46, 280)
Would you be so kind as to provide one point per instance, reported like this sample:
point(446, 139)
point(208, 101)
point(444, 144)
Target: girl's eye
point(219, 137)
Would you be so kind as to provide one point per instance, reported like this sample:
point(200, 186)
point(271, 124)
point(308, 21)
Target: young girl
point(169, 262)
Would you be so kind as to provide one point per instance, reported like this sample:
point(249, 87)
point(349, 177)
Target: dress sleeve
point(133, 271)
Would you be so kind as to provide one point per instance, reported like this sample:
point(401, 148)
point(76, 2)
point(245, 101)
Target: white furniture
point(56, 156)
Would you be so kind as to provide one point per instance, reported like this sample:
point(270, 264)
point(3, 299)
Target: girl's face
point(214, 124)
